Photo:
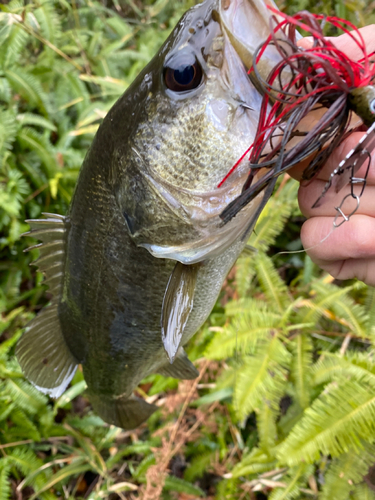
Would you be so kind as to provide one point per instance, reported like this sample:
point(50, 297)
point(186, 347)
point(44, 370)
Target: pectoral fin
point(177, 305)
point(127, 413)
point(181, 368)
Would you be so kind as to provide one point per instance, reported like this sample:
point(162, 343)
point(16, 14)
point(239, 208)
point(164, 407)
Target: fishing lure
point(321, 78)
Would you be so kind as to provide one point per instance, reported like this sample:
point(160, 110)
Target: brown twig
point(157, 474)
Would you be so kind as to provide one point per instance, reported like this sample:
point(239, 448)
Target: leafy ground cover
point(285, 404)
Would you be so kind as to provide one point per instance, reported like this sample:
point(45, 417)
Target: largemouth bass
point(137, 264)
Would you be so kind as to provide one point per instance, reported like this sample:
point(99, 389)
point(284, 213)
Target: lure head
point(362, 102)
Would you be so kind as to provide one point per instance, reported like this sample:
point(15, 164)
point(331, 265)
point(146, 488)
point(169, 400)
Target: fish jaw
point(248, 25)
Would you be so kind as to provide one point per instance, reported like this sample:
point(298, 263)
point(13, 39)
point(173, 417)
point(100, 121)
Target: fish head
point(186, 120)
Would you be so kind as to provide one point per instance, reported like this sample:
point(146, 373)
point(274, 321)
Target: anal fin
point(127, 413)
point(177, 305)
point(42, 351)
point(181, 367)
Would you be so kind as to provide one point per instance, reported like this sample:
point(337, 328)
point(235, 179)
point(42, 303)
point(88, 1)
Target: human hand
point(349, 251)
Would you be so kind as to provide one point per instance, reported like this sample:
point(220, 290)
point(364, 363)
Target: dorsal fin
point(42, 351)
point(52, 232)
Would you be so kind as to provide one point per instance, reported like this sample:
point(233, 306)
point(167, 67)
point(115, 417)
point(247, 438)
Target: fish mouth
point(248, 24)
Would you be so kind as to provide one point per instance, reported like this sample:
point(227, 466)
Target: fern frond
point(119, 26)
point(362, 492)
point(49, 21)
point(302, 348)
point(272, 285)
point(346, 471)
point(23, 427)
point(336, 422)
point(26, 397)
point(273, 218)
point(5, 487)
point(255, 462)
point(5, 91)
point(243, 333)
point(36, 120)
point(75, 468)
point(13, 39)
point(249, 305)
point(294, 479)
point(262, 379)
point(359, 366)
point(267, 429)
point(71, 91)
point(245, 272)
point(343, 307)
point(8, 130)
point(25, 460)
point(31, 139)
point(370, 309)
point(29, 87)
point(199, 465)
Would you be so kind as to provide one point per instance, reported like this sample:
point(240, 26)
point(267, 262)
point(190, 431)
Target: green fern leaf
point(26, 397)
point(25, 460)
point(8, 131)
point(254, 463)
point(245, 272)
point(337, 421)
point(5, 487)
point(246, 329)
point(199, 465)
point(267, 429)
point(358, 366)
point(272, 220)
point(302, 348)
point(345, 472)
point(49, 22)
point(23, 427)
point(36, 120)
point(119, 26)
point(13, 39)
point(370, 308)
point(5, 91)
point(173, 483)
point(75, 468)
point(295, 479)
point(31, 139)
point(338, 301)
point(272, 285)
point(262, 379)
point(29, 87)
point(362, 492)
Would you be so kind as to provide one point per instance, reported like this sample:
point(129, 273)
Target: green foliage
point(270, 338)
point(287, 406)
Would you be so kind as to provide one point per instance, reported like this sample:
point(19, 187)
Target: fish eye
point(183, 77)
point(372, 106)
